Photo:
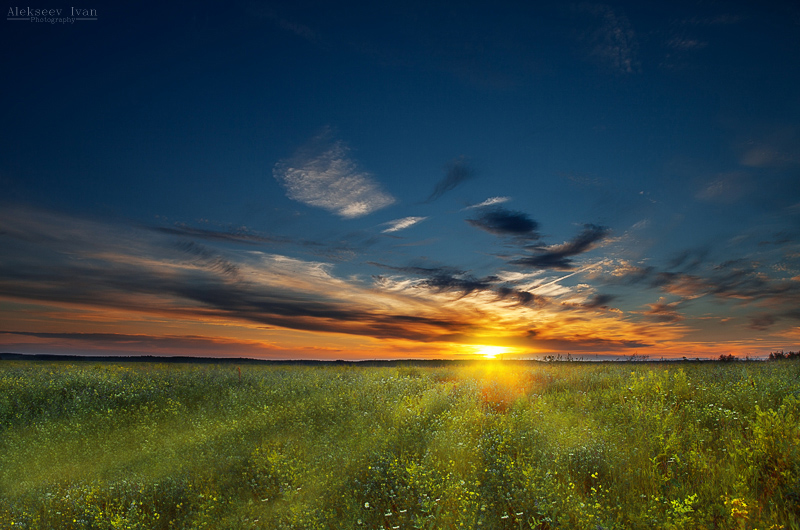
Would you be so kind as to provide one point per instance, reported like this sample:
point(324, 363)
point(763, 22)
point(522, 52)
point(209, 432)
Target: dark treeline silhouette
point(775, 356)
point(779, 355)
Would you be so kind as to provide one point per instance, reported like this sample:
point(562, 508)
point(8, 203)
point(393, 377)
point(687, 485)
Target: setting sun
point(490, 352)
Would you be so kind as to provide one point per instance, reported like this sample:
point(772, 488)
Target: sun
point(491, 352)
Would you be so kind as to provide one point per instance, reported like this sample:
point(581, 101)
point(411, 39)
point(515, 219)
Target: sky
point(378, 180)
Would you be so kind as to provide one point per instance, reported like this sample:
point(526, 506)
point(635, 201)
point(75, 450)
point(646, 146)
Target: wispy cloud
point(491, 201)
point(502, 222)
point(298, 29)
point(322, 174)
point(613, 43)
point(400, 224)
point(684, 43)
point(739, 282)
point(663, 311)
point(776, 150)
point(558, 256)
point(725, 188)
point(599, 301)
point(457, 172)
point(239, 235)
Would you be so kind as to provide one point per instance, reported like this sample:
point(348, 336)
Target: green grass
point(493, 445)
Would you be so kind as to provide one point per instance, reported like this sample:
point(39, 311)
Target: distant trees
point(774, 356)
point(780, 355)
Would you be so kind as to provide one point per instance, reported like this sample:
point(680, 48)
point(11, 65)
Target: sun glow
point(491, 352)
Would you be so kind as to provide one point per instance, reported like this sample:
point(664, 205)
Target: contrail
point(569, 275)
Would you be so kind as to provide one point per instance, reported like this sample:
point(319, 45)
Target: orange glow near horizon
point(491, 352)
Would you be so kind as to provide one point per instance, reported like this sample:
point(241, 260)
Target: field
point(496, 445)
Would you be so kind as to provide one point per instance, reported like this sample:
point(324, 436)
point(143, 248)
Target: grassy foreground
point(493, 445)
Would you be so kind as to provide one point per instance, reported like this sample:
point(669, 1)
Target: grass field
point(497, 445)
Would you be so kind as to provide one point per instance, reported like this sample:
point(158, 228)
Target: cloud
point(684, 43)
point(726, 189)
point(521, 297)
point(56, 259)
point(762, 322)
point(139, 344)
point(457, 172)
point(239, 235)
point(770, 156)
point(740, 282)
point(502, 222)
point(210, 259)
point(452, 280)
point(599, 301)
point(322, 174)
point(337, 250)
point(689, 260)
point(445, 279)
point(132, 288)
point(663, 311)
point(557, 256)
point(613, 44)
point(462, 284)
point(400, 224)
point(419, 270)
point(298, 29)
point(491, 201)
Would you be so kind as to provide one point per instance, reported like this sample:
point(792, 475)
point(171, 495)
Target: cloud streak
point(613, 44)
point(491, 201)
point(402, 224)
point(456, 173)
point(559, 256)
point(323, 174)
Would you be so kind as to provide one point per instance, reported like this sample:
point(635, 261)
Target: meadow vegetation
point(496, 445)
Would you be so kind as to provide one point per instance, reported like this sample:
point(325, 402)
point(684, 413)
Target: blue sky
point(359, 180)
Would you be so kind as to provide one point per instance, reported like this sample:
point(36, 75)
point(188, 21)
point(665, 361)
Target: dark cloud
point(457, 171)
point(765, 321)
point(739, 281)
point(445, 279)
point(126, 339)
point(579, 343)
point(558, 256)
point(502, 222)
point(107, 266)
point(523, 298)
point(762, 322)
point(135, 344)
point(208, 258)
point(464, 285)
point(689, 260)
point(599, 301)
point(343, 249)
point(419, 270)
point(663, 311)
point(449, 279)
point(211, 293)
point(240, 235)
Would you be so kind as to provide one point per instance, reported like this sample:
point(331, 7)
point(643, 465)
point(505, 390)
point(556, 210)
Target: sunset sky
point(366, 180)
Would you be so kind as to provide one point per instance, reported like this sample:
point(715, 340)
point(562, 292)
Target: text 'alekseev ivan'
point(51, 16)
